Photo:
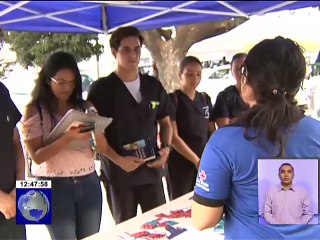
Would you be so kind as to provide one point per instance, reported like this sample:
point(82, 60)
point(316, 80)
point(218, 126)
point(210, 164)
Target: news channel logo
point(33, 202)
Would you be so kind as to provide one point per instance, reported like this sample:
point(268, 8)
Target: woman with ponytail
point(273, 127)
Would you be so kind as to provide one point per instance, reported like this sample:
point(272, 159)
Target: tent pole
point(154, 15)
point(233, 8)
point(266, 10)
point(51, 16)
point(209, 12)
point(105, 31)
point(186, 10)
point(104, 18)
point(13, 7)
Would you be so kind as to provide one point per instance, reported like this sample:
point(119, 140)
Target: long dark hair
point(275, 69)
point(42, 94)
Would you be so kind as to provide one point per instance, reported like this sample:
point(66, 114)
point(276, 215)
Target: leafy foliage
point(32, 49)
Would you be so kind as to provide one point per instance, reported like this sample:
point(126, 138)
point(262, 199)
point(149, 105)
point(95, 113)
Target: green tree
point(33, 48)
point(3, 66)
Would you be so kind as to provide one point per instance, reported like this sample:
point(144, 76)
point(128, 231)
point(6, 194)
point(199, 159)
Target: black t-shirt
point(9, 116)
point(192, 118)
point(132, 121)
point(229, 104)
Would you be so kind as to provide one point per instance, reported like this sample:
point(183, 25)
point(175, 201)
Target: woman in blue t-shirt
point(273, 127)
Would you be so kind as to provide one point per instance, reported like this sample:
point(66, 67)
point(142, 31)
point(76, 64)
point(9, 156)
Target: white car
point(214, 80)
point(312, 90)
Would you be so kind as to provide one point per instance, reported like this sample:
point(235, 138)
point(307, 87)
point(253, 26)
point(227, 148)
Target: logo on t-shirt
point(202, 175)
point(201, 181)
point(206, 112)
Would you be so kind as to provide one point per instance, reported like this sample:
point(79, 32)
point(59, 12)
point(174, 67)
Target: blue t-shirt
point(228, 175)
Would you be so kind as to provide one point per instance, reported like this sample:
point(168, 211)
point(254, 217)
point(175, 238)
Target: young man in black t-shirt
point(11, 167)
point(229, 103)
point(137, 103)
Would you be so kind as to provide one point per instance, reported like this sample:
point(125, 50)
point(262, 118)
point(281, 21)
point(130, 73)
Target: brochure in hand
point(74, 119)
point(141, 149)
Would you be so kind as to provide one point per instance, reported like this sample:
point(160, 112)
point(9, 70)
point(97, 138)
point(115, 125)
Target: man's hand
point(8, 204)
point(130, 164)
point(164, 153)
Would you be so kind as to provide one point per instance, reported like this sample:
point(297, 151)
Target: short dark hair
point(275, 69)
point(186, 61)
point(123, 32)
point(237, 56)
point(286, 164)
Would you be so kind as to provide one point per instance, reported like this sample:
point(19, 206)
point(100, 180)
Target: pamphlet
point(74, 118)
point(140, 149)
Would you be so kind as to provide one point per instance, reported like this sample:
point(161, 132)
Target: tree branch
point(190, 34)
point(165, 33)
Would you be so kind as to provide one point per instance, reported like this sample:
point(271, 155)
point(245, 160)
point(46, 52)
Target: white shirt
point(134, 89)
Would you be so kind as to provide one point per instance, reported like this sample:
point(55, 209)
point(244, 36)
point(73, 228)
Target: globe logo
point(34, 205)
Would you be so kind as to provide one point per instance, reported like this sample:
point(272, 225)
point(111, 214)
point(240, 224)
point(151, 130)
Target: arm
point(101, 142)
point(307, 213)
point(165, 130)
point(220, 112)
point(205, 217)
point(213, 186)
point(211, 124)
point(211, 128)
point(127, 164)
point(222, 121)
point(165, 137)
point(40, 152)
point(8, 201)
point(100, 139)
point(268, 209)
point(20, 165)
point(181, 147)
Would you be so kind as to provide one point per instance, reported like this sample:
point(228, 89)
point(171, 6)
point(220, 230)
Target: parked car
point(214, 80)
point(311, 87)
point(86, 82)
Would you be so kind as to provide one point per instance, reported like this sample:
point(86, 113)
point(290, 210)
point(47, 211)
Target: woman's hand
point(74, 134)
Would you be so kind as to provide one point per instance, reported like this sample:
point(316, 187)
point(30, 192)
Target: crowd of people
point(223, 140)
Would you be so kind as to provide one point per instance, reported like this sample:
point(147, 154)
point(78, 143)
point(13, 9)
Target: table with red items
point(169, 221)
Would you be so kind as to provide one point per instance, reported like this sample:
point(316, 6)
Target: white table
point(134, 225)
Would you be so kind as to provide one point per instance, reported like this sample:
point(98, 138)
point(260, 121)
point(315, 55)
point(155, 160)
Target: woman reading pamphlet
point(76, 192)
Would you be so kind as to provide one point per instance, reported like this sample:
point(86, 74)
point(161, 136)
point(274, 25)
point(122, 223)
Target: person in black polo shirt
point(137, 103)
point(192, 123)
point(229, 103)
point(11, 167)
